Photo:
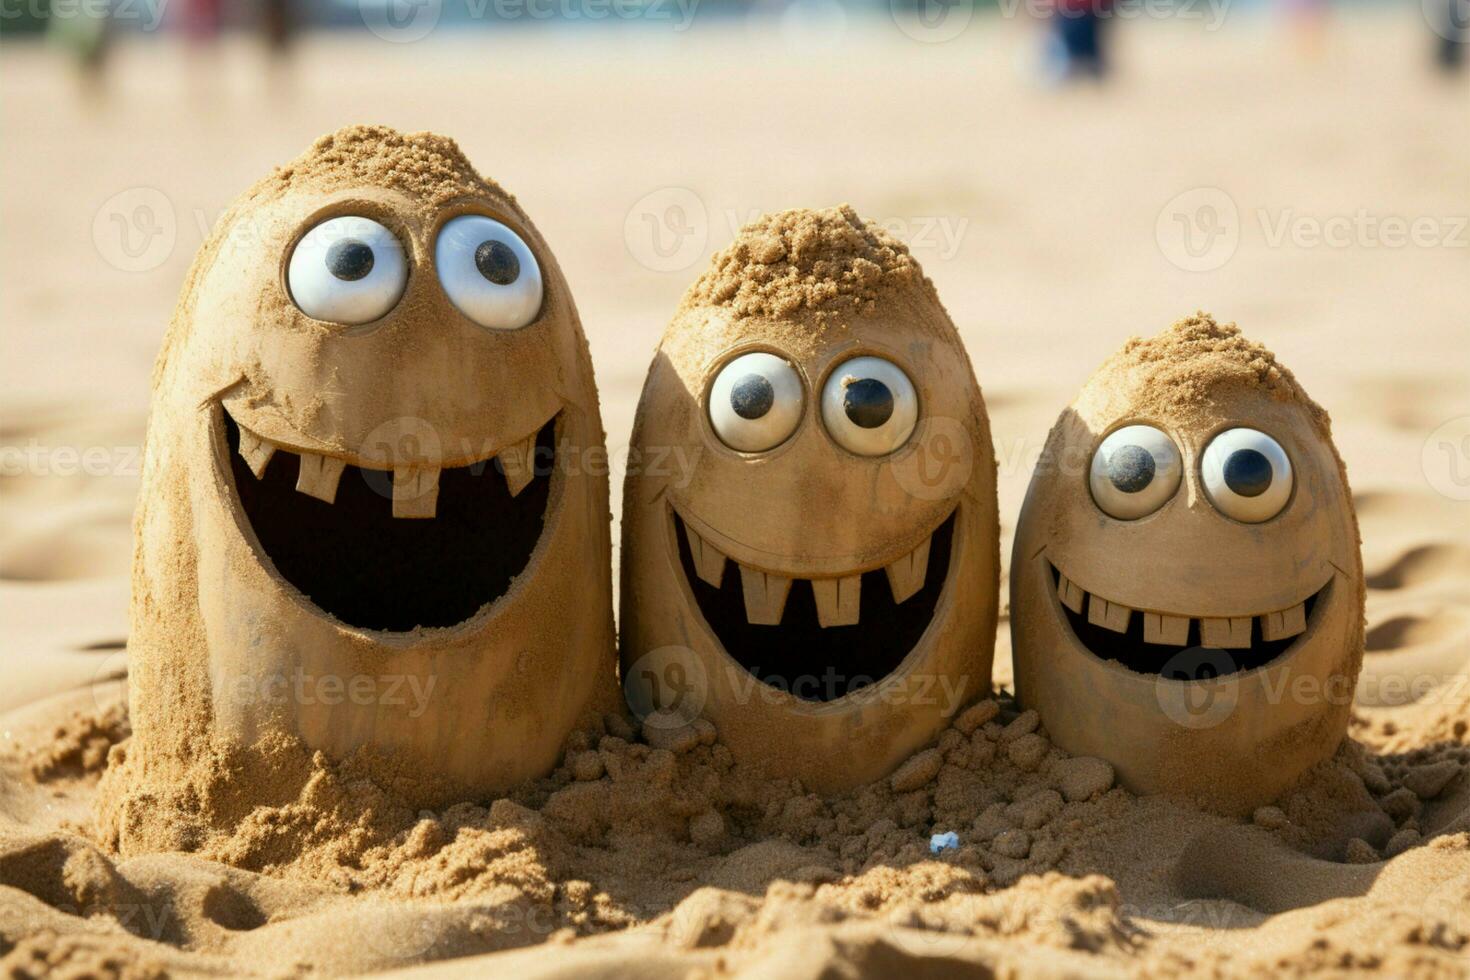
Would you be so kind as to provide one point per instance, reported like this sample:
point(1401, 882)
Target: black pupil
point(1131, 468)
point(752, 397)
point(1248, 473)
point(350, 259)
point(868, 403)
point(497, 262)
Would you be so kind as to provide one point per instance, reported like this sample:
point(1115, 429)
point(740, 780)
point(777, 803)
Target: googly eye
point(755, 402)
point(488, 273)
point(347, 270)
point(1247, 475)
point(869, 406)
point(1135, 470)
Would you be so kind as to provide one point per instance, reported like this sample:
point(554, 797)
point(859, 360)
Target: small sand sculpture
point(810, 532)
point(1186, 587)
point(354, 526)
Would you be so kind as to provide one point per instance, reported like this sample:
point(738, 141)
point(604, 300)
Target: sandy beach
point(1316, 199)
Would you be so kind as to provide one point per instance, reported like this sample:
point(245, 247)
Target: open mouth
point(817, 639)
point(1150, 642)
point(394, 549)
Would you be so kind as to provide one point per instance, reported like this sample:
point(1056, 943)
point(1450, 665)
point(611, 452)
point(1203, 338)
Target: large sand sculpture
point(361, 521)
point(820, 581)
point(1186, 588)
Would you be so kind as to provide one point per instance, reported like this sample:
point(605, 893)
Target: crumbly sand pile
point(825, 264)
point(1175, 371)
point(655, 834)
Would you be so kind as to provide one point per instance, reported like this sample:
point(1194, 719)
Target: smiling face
point(367, 398)
point(810, 527)
point(1186, 585)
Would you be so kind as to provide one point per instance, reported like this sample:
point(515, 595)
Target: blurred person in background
point(277, 26)
point(1451, 22)
point(201, 20)
point(1076, 47)
point(1307, 25)
point(82, 30)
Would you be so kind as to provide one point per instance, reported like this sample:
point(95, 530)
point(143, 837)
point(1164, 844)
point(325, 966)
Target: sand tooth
point(1070, 593)
point(765, 596)
point(1233, 633)
point(256, 451)
point(415, 491)
point(518, 463)
point(838, 600)
point(1286, 623)
point(1109, 615)
point(709, 561)
point(1162, 628)
point(906, 576)
point(319, 475)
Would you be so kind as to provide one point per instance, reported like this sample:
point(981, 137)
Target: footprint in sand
point(1423, 565)
point(1418, 642)
point(1413, 655)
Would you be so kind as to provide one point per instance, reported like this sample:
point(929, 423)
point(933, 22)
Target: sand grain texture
point(635, 860)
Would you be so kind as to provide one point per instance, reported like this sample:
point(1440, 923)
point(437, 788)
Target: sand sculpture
point(1186, 585)
point(810, 531)
point(354, 525)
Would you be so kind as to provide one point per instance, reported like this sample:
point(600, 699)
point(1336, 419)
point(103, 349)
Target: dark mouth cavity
point(802, 657)
point(1189, 662)
point(356, 561)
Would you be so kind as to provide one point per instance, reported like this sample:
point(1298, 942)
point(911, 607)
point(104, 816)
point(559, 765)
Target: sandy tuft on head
point(824, 263)
point(423, 165)
point(1179, 371)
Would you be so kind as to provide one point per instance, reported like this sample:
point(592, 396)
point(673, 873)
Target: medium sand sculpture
point(354, 525)
point(1187, 591)
point(810, 533)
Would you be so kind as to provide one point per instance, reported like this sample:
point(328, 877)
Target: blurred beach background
point(1301, 168)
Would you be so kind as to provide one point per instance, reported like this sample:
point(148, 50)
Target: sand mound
point(1175, 371)
point(1040, 245)
point(424, 165)
point(825, 264)
point(630, 850)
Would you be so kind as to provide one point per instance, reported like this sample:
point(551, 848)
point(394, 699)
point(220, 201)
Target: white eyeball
point(755, 402)
point(347, 270)
point(488, 273)
point(1134, 472)
point(869, 406)
point(1247, 475)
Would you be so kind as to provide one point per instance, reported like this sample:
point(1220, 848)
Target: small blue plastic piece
point(944, 842)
